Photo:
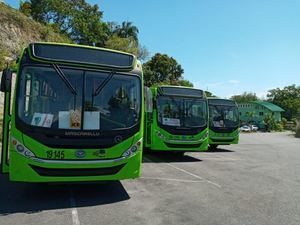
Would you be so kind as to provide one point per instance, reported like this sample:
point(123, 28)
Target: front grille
point(66, 172)
point(172, 145)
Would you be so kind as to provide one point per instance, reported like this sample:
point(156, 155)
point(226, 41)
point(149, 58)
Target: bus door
point(148, 115)
point(6, 88)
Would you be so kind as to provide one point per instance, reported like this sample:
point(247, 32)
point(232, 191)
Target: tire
point(179, 154)
point(213, 147)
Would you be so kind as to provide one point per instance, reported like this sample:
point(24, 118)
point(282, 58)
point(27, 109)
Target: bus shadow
point(211, 150)
point(31, 198)
point(163, 157)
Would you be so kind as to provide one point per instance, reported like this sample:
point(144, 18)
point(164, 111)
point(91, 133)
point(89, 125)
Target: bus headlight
point(133, 149)
point(204, 136)
point(160, 135)
point(20, 148)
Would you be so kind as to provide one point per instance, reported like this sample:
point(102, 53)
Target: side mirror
point(6, 80)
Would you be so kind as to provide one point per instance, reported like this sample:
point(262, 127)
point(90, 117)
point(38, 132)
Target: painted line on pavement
point(171, 179)
point(75, 217)
point(187, 172)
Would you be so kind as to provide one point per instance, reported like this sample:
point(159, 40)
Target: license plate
point(55, 154)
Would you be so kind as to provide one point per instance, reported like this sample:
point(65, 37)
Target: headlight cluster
point(160, 135)
point(205, 135)
point(20, 148)
point(133, 149)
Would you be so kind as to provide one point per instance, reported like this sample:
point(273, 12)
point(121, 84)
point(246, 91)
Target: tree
point(209, 94)
point(250, 116)
point(124, 35)
point(122, 44)
point(25, 8)
point(163, 69)
point(185, 83)
point(86, 25)
point(288, 98)
point(125, 30)
point(269, 122)
point(77, 19)
point(245, 97)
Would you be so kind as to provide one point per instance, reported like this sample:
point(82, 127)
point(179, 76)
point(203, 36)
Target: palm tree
point(127, 30)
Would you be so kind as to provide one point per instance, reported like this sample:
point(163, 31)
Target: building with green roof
point(255, 112)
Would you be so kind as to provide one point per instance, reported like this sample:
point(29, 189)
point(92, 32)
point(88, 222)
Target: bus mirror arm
point(6, 80)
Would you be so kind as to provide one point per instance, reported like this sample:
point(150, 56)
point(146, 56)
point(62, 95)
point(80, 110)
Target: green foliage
point(125, 30)
point(3, 55)
point(278, 127)
point(124, 37)
point(245, 97)
point(250, 116)
point(284, 121)
point(81, 22)
point(288, 98)
point(184, 83)
point(271, 124)
point(294, 120)
point(25, 8)
point(18, 30)
point(143, 53)
point(76, 19)
point(209, 94)
point(162, 69)
point(122, 44)
point(86, 26)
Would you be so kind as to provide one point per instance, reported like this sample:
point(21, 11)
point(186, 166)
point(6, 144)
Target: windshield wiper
point(103, 84)
point(64, 78)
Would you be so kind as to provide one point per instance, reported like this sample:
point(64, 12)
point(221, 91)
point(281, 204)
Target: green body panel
point(223, 138)
point(19, 166)
point(19, 169)
point(154, 141)
point(218, 138)
point(5, 135)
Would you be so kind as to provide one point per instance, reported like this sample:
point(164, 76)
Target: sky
point(224, 46)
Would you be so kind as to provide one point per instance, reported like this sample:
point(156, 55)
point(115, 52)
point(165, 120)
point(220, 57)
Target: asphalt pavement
point(255, 182)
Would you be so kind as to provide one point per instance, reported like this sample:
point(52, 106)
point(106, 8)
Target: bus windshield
point(64, 98)
point(181, 112)
point(222, 116)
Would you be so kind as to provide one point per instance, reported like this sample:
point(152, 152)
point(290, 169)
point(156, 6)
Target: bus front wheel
point(179, 153)
point(213, 147)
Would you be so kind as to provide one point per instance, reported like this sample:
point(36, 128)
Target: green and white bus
point(223, 122)
point(76, 115)
point(176, 119)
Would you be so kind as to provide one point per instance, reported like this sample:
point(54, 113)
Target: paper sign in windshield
point(218, 123)
point(91, 120)
point(66, 122)
point(171, 122)
point(75, 119)
point(42, 119)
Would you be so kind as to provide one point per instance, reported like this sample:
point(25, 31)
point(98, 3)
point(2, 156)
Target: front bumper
point(40, 170)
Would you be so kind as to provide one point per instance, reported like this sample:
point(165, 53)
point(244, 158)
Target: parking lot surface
point(254, 182)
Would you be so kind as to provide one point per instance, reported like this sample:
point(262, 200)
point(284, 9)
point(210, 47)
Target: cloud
point(222, 83)
point(221, 88)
